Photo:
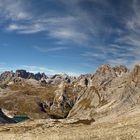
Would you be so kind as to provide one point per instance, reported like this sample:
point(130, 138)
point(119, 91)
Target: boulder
point(62, 104)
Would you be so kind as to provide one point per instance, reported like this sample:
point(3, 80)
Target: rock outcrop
point(27, 75)
point(6, 76)
point(120, 70)
point(88, 100)
point(58, 78)
point(61, 104)
point(105, 74)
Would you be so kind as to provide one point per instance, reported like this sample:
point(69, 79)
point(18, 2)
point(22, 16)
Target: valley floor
point(125, 128)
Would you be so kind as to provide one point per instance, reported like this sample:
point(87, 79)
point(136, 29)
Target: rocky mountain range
point(108, 93)
point(10, 75)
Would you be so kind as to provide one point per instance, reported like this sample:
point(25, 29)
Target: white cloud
point(14, 9)
point(78, 25)
point(26, 29)
point(131, 36)
point(36, 69)
point(68, 34)
point(91, 54)
point(118, 61)
point(67, 27)
point(13, 27)
point(52, 49)
point(72, 73)
point(61, 28)
point(48, 71)
point(133, 22)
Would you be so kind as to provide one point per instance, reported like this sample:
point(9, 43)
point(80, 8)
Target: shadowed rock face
point(28, 75)
point(22, 74)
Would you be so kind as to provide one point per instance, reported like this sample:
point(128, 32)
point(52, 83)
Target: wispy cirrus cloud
point(26, 29)
point(36, 69)
point(76, 25)
point(14, 10)
point(125, 47)
point(48, 71)
point(60, 28)
point(131, 33)
point(108, 30)
point(52, 49)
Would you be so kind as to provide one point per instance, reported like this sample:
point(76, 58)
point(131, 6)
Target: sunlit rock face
point(87, 101)
point(105, 74)
point(6, 76)
point(110, 100)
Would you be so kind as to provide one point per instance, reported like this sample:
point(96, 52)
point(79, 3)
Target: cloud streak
point(46, 50)
point(14, 10)
point(26, 29)
point(36, 69)
point(48, 71)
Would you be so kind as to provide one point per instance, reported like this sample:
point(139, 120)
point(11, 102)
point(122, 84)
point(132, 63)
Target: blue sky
point(70, 36)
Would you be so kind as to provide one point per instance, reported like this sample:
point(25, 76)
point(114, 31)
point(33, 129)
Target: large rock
point(22, 74)
point(87, 101)
point(40, 76)
point(62, 104)
point(6, 76)
point(120, 70)
point(84, 80)
point(58, 78)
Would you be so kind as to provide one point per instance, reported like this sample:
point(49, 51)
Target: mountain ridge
point(106, 93)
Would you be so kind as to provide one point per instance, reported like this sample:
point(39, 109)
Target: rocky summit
point(107, 99)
